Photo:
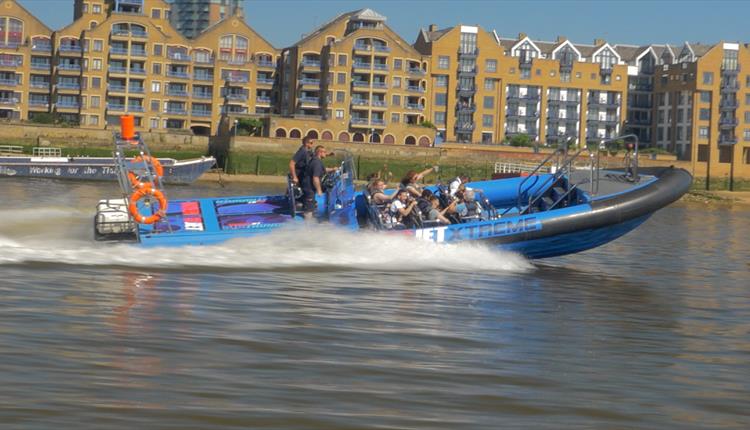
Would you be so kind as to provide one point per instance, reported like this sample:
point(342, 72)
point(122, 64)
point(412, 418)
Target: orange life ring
point(141, 193)
point(156, 166)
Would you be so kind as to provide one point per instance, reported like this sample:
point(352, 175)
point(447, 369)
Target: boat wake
point(32, 240)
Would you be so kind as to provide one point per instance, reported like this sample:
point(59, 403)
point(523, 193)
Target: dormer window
point(566, 55)
point(606, 59)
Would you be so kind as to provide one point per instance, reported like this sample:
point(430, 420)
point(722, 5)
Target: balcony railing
point(265, 81)
point(116, 107)
point(202, 95)
point(379, 84)
point(309, 100)
point(9, 100)
point(309, 81)
point(69, 67)
point(237, 79)
point(118, 50)
point(361, 83)
point(182, 58)
point(9, 82)
point(466, 107)
point(729, 104)
point(414, 89)
point(381, 48)
point(12, 63)
point(416, 71)
point(68, 86)
point(236, 96)
point(176, 110)
point(311, 63)
point(727, 140)
point(116, 88)
point(41, 48)
point(265, 63)
point(178, 74)
point(40, 66)
point(129, 33)
point(70, 48)
point(263, 100)
point(379, 103)
point(200, 112)
point(203, 60)
point(135, 108)
point(728, 122)
point(465, 127)
point(360, 65)
point(177, 93)
point(39, 84)
point(362, 47)
point(360, 121)
point(68, 105)
point(234, 109)
point(137, 71)
point(380, 66)
point(136, 89)
point(39, 102)
point(414, 106)
point(138, 53)
point(605, 102)
point(117, 69)
point(203, 77)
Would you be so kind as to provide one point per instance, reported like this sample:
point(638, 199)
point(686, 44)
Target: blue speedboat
point(566, 210)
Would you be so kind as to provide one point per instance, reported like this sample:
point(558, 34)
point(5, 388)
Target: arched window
point(233, 48)
point(410, 140)
point(375, 138)
point(344, 137)
point(327, 135)
point(389, 139)
point(359, 137)
point(202, 56)
point(41, 43)
point(280, 132)
point(424, 141)
point(11, 31)
point(312, 133)
point(295, 134)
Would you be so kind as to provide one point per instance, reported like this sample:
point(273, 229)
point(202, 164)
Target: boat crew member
point(455, 184)
point(313, 179)
point(300, 160)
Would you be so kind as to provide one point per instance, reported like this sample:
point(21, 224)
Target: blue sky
point(282, 22)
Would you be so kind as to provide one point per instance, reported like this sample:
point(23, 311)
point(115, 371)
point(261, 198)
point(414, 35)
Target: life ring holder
point(142, 192)
point(156, 167)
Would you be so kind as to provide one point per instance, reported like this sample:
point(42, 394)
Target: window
point(747, 99)
point(342, 59)
point(97, 8)
point(83, 102)
point(539, 72)
point(158, 50)
point(564, 76)
point(395, 118)
point(490, 66)
point(489, 102)
point(705, 114)
point(94, 119)
point(703, 132)
point(441, 99)
point(396, 82)
point(705, 96)
point(440, 118)
point(341, 78)
point(578, 75)
point(708, 78)
point(155, 105)
point(747, 117)
point(96, 64)
point(525, 73)
point(330, 78)
point(96, 83)
point(329, 98)
point(746, 135)
point(441, 81)
point(397, 64)
point(154, 123)
point(444, 62)
point(85, 8)
point(98, 46)
point(156, 69)
point(486, 120)
point(156, 13)
point(725, 154)
point(339, 113)
point(396, 101)
point(95, 100)
point(489, 84)
point(703, 153)
point(156, 87)
point(331, 59)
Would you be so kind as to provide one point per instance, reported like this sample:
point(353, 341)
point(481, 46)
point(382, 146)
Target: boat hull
point(98, 169)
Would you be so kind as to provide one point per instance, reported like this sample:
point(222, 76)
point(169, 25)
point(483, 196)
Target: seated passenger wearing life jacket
point(378, 196)
point(469, 208)
point(403, 210)
point(429, 208)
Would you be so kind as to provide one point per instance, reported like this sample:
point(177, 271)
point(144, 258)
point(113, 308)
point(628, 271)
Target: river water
point(331, 330)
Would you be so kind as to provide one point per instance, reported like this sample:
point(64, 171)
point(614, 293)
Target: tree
point(427, 124)
point(249, 126)
point(520, 140)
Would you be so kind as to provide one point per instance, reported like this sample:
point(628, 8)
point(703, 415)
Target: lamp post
point(372, 135)
point(235, 128)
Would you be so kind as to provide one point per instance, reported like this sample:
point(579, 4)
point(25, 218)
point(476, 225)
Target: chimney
point(433, 27)
point(521, 36)
point(599, 42)
point(561, 39)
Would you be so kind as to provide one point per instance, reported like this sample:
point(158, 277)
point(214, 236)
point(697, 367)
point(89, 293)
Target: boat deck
point(610, 182)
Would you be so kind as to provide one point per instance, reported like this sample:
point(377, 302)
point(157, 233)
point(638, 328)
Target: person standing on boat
point(300, 160)
point(313, 180)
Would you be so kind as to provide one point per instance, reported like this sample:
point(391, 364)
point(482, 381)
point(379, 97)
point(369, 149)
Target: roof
point(360, 14)
point(368, 15)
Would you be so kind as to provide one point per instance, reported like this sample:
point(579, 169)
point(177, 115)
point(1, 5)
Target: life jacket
point(473, 208)
point(425, 206)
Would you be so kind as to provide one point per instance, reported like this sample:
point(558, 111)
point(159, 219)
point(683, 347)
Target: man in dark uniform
point(313, 182)
point(300, 160)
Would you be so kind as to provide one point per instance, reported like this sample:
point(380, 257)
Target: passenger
point(424, 204)
point(313, 180)
point(440, 214)
point(469, 207)
point(410, 181)
point(377, 193)
point(458, 183)
point(402, 209)
point(300, 160)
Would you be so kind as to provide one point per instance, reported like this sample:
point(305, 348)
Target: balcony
point(381, 48)
point(517, 114)
point(39, 84)
point(124, 33)
point(69, 67)
point(68, 105)
point(68, 86)
point(115, 107)
point(203, 60)
point(40, 47)
point(116, 88)
point(310, 64)
point(309, 82)
point(641, 87)
point(380, 67)
point(237, 61)
point(136, 89)
point(466, 91)
point(40, 66)
point(605, 120)
point(265, 64)
point(116, 50)
point(595, 101)
point(730, 87)
point(527, 96)
point(239, 79)
point(416, 71)
point(309, 101)
point(379, 85)
point(8, 82)
point(263, 100)
point(177, 92)
point(414, 106)
point(362, 66)
point(639, 121)
point(415, 89)
point(13, 63)
point(139, 71)
point(117, 69)
point(177, 74)
point(377, 122)
point(468, 108)
point(467, 52)
point(236, 96)
point(200, 112)
point(175, 110)
point(202, 95)
point(138, 53)
point(203, 77)
point(179, 58)
point(9, 100)
point(726, 105)
point(360, 102)
point(465, 127)
point(70, 49)
point(728, 122)
point(359, 121)
point(265, 81)
point(467, 71)
point(234, 109)
point(362, 47)
point(727, 140)
point(363, 84)
point(39, 103)
point(135, 108)
point(379, 104)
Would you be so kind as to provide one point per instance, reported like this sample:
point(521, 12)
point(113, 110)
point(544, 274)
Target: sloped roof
point(361, 14)
point(368, 15)
point(700, 49)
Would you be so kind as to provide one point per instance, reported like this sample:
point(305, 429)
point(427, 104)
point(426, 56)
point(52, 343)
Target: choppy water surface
point(332, 330)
